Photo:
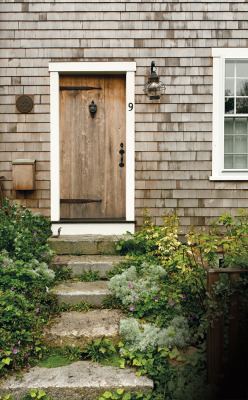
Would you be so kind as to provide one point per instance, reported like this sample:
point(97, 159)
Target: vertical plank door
point(92, 183)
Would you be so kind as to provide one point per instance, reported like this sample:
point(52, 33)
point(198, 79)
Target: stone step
point(75, 292)
point(79, 329)
point(83, 380)
point(79, 264)
point(86, 244)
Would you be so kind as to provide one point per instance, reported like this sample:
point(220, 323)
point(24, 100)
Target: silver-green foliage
point(148, 336)
point(33, 268)
point(130, 283)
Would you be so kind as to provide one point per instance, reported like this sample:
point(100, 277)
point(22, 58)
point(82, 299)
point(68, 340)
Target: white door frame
point(57, 68)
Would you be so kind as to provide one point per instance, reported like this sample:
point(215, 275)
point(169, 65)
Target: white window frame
point(127, 68)
point(219, 57)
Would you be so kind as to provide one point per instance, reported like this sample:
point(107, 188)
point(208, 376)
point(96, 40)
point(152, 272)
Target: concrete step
point(85, 244)
point(79, 329)
point(75, 292)
point(83, 380)
point(79, 264)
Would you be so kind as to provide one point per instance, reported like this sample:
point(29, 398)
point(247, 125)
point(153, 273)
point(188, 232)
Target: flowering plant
point(25, 302)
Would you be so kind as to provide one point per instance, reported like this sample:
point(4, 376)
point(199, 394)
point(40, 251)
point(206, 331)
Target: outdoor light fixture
point(154, 88)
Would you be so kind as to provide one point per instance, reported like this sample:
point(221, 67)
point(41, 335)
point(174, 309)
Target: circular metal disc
point(24, 104)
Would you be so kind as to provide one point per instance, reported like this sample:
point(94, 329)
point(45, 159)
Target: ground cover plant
point(26, 303)
point(33, 394)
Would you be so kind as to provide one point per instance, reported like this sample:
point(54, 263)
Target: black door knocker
point(92, 108)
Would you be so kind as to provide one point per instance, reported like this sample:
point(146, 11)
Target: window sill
point(223, 177)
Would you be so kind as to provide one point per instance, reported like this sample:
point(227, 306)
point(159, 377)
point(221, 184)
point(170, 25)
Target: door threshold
point(94, 220)
point(89, 227)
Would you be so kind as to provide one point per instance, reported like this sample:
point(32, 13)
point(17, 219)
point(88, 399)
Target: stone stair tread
point(83, 380)
point(86, 244)
point(90, 238)
point(85, 263)
point(79, 287)
point(87, 258)
point(75, 292)
point(79, 329)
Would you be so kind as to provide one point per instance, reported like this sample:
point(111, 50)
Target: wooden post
point(215, 333)
point(214, 338)
point(234, 324)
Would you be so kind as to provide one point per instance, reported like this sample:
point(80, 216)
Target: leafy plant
point(73, 353)
point(112, 302)
point(24, 234)
point(33, 393)
point(62, 273)
point(26, 302)
point(182, 291)
point(147, 336)
point(119, 394)
point(89, 276)
point(99, 350)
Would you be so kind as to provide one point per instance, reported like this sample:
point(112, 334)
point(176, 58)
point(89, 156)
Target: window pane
point(230, 68)
point(229, 126)
point(228, 162)
point(242, 106)
point(228, 144)
point(242, 87)
point(229, 106)
point(240, 144)
point(235, 143)
point(229, 87)
point(240, 162)
point(242, 68)
point(240, 126)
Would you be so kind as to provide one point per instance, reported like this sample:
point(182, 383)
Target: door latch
point(121, 153)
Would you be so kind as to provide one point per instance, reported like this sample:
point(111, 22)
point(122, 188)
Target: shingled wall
point(173, 135)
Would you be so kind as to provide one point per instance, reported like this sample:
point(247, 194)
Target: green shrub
point(24, 234)
point(179, 294)
point(26, 303)
point(148, 336)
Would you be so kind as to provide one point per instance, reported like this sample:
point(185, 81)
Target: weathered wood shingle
point(173, 136)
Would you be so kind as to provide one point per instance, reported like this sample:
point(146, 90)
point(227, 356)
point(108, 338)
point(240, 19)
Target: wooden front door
point(92, 172)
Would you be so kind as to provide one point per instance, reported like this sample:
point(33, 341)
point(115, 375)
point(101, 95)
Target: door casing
point(109, 68)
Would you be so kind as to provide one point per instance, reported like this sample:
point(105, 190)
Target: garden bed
point(161, 286)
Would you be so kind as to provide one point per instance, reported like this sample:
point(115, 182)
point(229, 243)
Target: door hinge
point(79, 88)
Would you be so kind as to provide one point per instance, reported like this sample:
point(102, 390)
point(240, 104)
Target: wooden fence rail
point(215, 335)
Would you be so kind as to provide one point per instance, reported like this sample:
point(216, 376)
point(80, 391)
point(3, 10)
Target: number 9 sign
point(130, 105)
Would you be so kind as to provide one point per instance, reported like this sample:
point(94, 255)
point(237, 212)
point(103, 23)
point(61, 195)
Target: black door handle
point(121, 153)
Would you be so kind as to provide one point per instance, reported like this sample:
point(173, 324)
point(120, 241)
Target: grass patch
point(113, 360)
point(56, 358)
point(60, 357)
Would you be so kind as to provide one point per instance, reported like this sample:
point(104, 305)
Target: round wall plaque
point(24, 104)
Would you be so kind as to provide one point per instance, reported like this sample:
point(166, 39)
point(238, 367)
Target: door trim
point(57, 68)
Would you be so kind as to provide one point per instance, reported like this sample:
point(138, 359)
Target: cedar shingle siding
point(173, 135)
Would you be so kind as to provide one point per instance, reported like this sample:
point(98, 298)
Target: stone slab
point(79, 329)
point(83, 380)
point(79, 264)
point(75, 292)
point(85, 244)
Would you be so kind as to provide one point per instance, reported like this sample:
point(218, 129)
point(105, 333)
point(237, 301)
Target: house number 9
point(130, 105)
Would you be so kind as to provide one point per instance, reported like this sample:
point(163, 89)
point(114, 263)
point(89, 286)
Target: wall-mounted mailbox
point(23, 174)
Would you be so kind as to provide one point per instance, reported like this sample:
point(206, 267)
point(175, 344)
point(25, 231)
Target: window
point(230, 114)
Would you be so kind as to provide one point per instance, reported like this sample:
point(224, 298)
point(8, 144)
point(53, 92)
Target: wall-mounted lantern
point(154, 88)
